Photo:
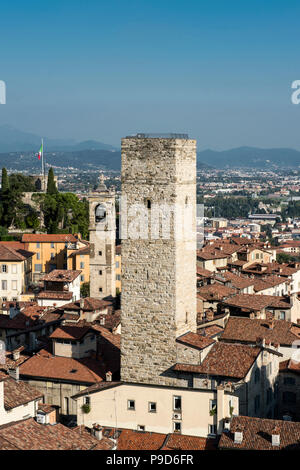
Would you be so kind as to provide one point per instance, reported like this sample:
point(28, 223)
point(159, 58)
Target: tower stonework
point(158, 268)
point(102, 232)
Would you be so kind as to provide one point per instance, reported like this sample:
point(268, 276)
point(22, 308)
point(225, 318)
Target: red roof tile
point(29, 435)
point(229, 360)
point(61, 275)
point(46, 238)
point(248, 330)
point(257, 434)
point(44, 364)
point(195, 340)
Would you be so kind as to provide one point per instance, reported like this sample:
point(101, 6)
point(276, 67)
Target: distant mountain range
point(14, 140)
point(17, 150)
point(250, 157)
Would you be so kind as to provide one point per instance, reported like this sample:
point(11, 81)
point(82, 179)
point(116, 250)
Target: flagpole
point(43, 169)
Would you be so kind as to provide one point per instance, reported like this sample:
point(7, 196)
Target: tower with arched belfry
point(102, 229)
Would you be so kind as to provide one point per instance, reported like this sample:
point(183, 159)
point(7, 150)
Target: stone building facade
point(102, 231)
point(158, 231)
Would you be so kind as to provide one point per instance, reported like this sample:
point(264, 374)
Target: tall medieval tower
point(102, 229)
point(158, 231)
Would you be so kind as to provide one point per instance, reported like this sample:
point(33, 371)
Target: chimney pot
point(238, 436)
point(97, 431)
point(108, 376)
point(275, 437)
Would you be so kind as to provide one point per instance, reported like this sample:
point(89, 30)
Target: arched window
point(100, 213)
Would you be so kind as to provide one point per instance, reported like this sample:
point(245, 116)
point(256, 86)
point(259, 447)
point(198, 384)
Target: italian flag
point(40, 152)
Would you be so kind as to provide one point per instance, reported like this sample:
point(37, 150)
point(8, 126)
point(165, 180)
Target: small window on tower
point(100, 272)
point(148, 204)
point(100, 289)
point(100, 253)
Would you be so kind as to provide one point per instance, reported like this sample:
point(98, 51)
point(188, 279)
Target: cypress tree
point(51, 186)
point(4, 181)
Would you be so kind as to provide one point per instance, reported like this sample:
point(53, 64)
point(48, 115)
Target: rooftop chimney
point(97, 431)
point(16, 355)
point(14, 373)
point(275, 437)
point(238, 436)
point(108, 376)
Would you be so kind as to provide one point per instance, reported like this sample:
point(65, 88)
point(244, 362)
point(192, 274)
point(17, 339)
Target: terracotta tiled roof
point(257, 434)
point(141, 440)
point(98, 387)
point(70, 332)
point(207, 255)
point(111, 320)
point(248, 330)
point(18, 393)
point(135, 440)
point(195, 340)
point(216, 291)
point(44, 364)
point(113, 338)
point(268, 282)
point(13, 244)
point(257, 302)
point(271, 268)
point(61, 275)
point(46, 238)
point(53, 295)
point(229, 360)
point(90, 304)
point(10, 254)
point(239, 282)
point(289, 366)
point(181, 442)
point(29, 435)
point(211, 331)
point(204, 272)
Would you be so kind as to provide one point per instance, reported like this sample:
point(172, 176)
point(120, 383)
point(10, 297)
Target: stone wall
point(158, 274)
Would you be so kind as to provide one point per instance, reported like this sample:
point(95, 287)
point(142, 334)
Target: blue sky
point(221, 70)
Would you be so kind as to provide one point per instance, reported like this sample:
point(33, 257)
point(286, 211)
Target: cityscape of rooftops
point(150, 229)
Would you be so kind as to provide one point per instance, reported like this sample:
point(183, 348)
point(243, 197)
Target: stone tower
point(158, 265)
point(102, 241)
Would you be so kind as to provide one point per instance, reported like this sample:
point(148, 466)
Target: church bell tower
point(102, 229)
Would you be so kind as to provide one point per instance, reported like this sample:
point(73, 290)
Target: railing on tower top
point(159, 136)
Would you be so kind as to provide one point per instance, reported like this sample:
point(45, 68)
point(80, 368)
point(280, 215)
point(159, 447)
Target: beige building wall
point(14, 279)
point(75, 349)
point(58, 393)
point(110, 408)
